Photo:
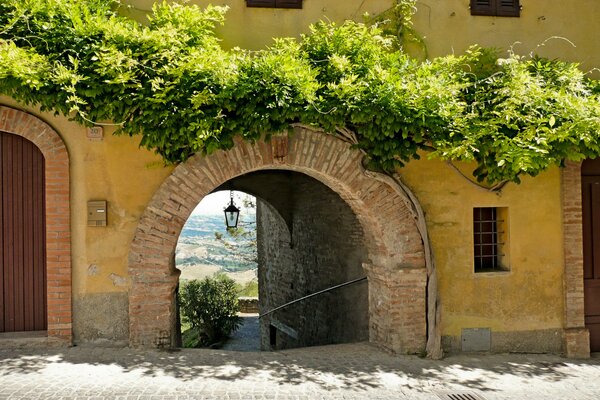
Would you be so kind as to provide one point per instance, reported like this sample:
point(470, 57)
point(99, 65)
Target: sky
point(215, 203)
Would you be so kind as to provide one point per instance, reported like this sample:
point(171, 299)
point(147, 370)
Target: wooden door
point(590, 187)
point(22, 236)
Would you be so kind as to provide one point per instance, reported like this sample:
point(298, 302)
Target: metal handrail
point(313, 295)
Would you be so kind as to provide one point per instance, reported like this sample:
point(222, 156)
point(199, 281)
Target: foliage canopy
point(171, 82)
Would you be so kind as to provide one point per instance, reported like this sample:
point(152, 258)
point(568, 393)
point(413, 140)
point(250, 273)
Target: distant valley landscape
point(205, 248)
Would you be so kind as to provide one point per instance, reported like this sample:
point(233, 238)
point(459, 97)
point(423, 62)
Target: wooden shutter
point(483, 7)
point(260, 3)
point(275, 3)
point(288, 3)
point(508, 8)
point(500, 8)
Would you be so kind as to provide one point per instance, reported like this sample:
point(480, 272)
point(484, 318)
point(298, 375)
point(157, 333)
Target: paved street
point(247, 336)
point(357, 371)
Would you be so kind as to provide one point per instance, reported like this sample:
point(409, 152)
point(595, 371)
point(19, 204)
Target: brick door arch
point(396, 267)
point(57, 210)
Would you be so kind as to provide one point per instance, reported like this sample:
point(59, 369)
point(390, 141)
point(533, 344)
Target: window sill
point(490, 274)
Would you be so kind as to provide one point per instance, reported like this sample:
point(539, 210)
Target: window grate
point(488, 239)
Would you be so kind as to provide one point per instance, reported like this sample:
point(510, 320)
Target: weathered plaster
point(116, 170)
point(529, 296)
point(446, 26)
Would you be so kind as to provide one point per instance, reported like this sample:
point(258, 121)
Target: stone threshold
point(29, 340)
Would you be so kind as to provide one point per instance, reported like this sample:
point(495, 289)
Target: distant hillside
point(198, 245)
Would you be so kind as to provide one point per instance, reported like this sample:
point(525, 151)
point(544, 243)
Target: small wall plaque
point(95, 134)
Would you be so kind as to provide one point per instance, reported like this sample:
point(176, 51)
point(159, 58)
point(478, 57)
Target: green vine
point(171, 82)
point(397, 22)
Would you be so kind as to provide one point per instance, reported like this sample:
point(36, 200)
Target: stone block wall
point(324, 248)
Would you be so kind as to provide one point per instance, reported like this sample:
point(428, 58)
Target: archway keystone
point(396, 267)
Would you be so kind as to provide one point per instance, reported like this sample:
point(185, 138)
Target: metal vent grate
point(459, 396)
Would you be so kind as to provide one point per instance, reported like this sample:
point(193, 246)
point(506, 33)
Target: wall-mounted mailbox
point(97, 213)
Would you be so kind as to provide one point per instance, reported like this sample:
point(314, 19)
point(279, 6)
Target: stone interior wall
point(324, 248)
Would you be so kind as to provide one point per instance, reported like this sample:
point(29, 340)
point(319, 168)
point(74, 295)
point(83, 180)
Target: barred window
point(490, 239)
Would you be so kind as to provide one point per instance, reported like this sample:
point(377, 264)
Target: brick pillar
point(397, 308)
point(576, 336)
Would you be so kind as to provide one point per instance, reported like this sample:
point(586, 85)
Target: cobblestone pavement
point(357, 371)
point(247, 336)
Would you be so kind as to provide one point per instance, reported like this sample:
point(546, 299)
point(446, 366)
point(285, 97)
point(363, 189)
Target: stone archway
point(396, 270)
point(58, 228)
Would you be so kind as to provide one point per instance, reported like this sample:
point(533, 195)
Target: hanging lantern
point(232, 214)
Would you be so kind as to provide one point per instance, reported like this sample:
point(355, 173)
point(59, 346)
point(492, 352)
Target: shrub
point(210, 308)
point(250, 289)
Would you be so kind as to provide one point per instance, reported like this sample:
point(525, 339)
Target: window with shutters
point(490, 239)
point(275, 3)
point(497, 8)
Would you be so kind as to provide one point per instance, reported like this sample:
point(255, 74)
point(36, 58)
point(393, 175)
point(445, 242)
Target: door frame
point(58, 225)
point(590, 173)
point(576, 337)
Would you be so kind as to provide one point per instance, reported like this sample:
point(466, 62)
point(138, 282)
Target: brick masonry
point(322, 247)
point(576, 337)
point(58, 228)
point(393, 245)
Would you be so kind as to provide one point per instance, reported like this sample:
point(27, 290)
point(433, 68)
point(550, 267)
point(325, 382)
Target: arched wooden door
point(590, 188)
point(22, 236)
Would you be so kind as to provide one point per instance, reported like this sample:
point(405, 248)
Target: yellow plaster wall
point(254, 28)
point(115, 170)
point(529, 296)
point(551, 28)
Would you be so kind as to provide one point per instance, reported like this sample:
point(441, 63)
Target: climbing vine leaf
point(171, 82)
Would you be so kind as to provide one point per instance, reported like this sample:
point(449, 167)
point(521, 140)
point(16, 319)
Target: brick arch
point(396, 267)
point(58, 229)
